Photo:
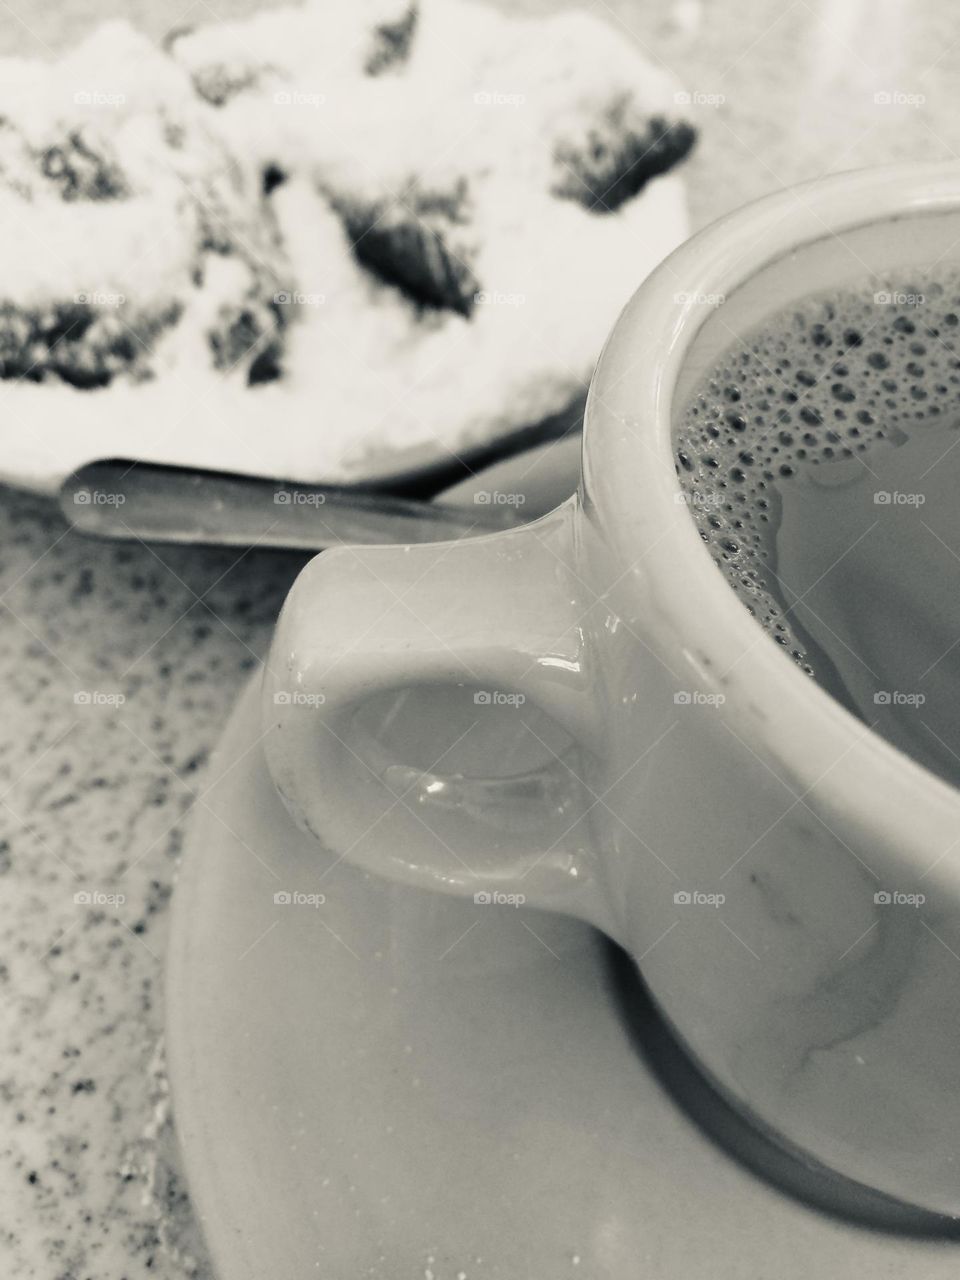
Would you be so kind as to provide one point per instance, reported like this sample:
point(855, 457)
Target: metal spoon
point(122, 499)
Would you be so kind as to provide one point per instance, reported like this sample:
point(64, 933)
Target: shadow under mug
point(741, 848)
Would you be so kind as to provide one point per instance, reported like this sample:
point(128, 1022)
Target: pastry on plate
point(322, 242)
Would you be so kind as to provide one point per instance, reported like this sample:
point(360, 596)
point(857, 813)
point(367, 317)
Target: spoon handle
point(120, 499)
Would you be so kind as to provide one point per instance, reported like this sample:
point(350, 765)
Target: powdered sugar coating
point(242, 152)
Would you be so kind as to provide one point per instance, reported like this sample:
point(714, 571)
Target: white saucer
point(397, 1084)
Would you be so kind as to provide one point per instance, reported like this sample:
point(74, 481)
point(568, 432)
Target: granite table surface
point(95, 796)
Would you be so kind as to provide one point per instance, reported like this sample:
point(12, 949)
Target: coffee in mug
point(819, 457)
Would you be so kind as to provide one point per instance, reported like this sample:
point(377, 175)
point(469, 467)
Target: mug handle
point(500, 613)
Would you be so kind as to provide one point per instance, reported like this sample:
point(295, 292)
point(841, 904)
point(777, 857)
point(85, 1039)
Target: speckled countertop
point(94, 795)
point(93, 801)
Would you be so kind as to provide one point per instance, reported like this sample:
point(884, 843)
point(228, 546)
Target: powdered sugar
point(349, 107)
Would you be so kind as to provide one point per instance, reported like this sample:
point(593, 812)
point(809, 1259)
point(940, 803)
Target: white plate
point(161, 423)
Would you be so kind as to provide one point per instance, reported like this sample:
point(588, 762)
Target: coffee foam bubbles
point(833, 378)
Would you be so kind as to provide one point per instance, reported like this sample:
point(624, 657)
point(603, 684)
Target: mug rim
point(633, 495)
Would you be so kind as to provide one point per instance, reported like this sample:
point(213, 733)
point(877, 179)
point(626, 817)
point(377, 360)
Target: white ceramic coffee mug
point(757, 849)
